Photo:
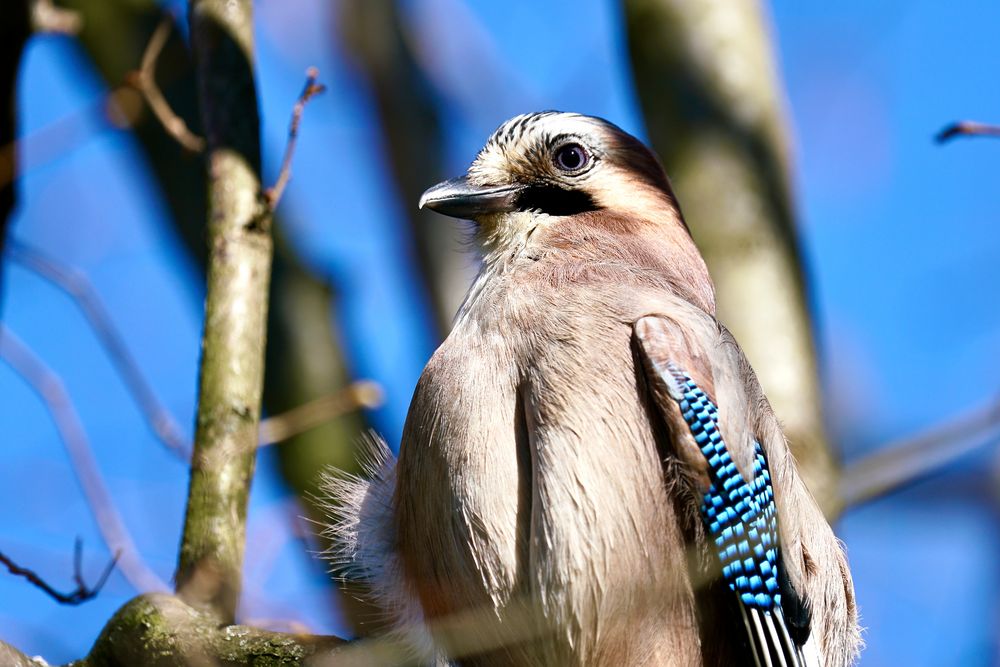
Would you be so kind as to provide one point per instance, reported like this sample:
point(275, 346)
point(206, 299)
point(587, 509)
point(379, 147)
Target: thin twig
point(361, 394)
point(897, 464)
point(967, 128)
point(79, 288)
point(144, 80)
point(311, 89)
point(81, 593)
point(50, 389)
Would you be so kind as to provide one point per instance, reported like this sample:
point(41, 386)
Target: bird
point(589, 471)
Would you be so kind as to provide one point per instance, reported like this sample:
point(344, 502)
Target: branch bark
point(304, 357)
point(162, 631)
point(706, 78)
point(232, 365)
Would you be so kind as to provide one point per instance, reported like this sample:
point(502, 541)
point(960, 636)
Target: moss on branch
point(162, 631)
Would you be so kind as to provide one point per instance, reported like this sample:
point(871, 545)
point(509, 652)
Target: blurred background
point(857, 260)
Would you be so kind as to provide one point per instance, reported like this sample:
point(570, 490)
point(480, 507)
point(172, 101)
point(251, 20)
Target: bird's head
point(557, 164)
point(598, 196)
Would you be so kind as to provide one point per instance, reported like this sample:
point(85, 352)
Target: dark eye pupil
point(571, 157)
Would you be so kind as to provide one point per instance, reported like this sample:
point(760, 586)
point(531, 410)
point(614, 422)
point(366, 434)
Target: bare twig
point(361, 394)
point(121, 107)
point(144, 80)
point(309, 91)
point(967, 128)
point(898, 464)
point(53, 140)
point(79, 288)
point(46, 17)
point(50, 389)
point(81, 593)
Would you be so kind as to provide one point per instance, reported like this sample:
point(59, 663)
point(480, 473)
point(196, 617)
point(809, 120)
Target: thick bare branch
point(209, 569)
point(79, 288)
point(707, 81)
point(78, 595)
point(163, 630)
point(305, 360)
point(309, 91)
point(50, 389)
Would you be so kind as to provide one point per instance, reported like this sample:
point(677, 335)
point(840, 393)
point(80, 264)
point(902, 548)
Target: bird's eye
point(571, 157)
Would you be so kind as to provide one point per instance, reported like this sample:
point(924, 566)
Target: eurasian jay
point(590, 473)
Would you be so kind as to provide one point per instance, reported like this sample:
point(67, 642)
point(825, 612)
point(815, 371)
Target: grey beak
point(460, 199)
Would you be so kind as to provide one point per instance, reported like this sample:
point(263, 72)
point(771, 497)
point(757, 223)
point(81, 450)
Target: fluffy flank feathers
point(359, 526)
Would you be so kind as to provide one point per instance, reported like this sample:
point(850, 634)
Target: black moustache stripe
point(554, 200)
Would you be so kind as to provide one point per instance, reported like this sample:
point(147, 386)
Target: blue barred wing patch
point(740, 516)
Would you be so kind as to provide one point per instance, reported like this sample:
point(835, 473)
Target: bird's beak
point(461, 199)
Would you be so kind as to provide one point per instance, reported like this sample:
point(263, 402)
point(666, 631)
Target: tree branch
point(144, 80)
point(163, 630)
point(79, 288)
point(707, 81)
point(46, 17)
point(310, 90)
point(80, 594)
point(967, 128)
point(232, 365)
point(361, 394)
point(304, 356)
point(898, 464)
point(50, 389)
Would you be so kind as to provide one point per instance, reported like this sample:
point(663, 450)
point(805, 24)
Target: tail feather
point(770, 642)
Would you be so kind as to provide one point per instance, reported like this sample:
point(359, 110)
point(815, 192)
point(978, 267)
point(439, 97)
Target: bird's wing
point(737, 508)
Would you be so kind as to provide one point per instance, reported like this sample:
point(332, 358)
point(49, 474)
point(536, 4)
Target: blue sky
point(899, 234)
